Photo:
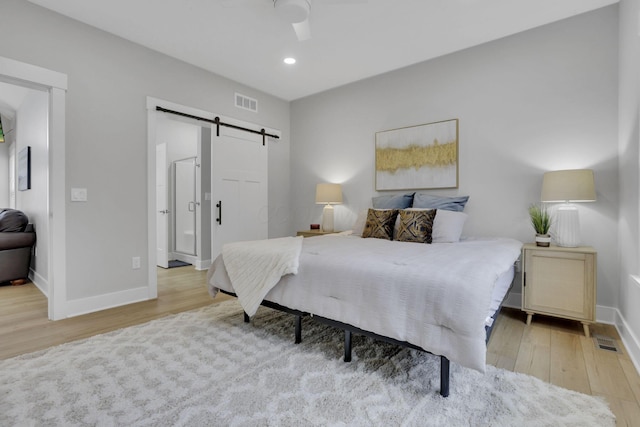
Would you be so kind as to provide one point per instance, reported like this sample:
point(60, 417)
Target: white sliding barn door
point(239, 202)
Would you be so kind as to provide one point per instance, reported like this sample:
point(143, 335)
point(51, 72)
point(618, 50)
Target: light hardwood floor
point(553, 350)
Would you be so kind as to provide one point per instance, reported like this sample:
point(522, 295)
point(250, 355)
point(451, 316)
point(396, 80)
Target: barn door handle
point(219, 206)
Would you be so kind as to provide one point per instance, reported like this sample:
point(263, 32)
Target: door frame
point(152, 116)
point(55, 84)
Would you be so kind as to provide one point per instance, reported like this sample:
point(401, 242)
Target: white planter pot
point(543, 240)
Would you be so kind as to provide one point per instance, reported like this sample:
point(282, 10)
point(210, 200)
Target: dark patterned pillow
point(380, 223)
point(415, 226)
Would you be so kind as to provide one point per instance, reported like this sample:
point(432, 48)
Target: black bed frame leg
point(347, 346)
point(246, 317)
point(444, 376)
point(298, 321)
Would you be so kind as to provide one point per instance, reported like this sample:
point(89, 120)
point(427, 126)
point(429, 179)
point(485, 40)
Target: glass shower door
point(184, 174)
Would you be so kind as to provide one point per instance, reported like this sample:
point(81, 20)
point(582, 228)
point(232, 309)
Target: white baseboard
point(629, 339)
point(604, 314)
point(105, 301)
point(199, 264)
point(40, 282)
point(203, 264)
point(514, 300)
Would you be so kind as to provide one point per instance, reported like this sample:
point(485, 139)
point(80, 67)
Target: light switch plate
point(78, 194)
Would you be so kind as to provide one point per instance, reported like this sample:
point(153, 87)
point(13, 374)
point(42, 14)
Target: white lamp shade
point(568, 186)
point(328, 194)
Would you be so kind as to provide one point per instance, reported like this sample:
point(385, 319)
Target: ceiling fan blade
point(303, 30)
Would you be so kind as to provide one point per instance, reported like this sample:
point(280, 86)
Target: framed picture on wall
point(418, 157)
point(24, 169)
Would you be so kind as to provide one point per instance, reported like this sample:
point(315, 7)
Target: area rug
point(208, 368)
point(177, 263)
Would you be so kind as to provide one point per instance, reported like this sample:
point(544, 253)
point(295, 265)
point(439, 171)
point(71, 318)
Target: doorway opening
point(233, 173)
point(51, 271)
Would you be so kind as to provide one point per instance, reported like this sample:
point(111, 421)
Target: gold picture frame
point(418, 157)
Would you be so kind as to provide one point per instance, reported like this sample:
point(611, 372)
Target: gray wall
point(31, 130)
point(541, 100)
point(205, 207)
point(106, 136)
point(629, 142)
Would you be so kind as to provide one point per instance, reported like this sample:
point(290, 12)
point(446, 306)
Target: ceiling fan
point(296, 12)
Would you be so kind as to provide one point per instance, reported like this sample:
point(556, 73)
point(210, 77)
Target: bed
point(438, 297)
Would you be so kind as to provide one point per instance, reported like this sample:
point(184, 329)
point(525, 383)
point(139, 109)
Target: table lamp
point(568, 187)
point(328, 194)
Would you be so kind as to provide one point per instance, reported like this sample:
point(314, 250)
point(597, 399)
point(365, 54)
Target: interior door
point(162, 210)
point(239, 188)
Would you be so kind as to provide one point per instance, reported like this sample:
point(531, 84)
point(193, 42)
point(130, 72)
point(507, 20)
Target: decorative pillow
point(380, 223)
point(399, 201)
point(427, 201)
point(358, 227)
point(447, 227)
point(415, 226)
point(12, 220)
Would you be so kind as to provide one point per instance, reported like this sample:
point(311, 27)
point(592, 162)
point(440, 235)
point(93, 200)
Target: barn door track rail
point(219, 123)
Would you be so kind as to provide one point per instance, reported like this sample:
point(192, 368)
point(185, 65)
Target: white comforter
point(255, 267)
point(435, 296)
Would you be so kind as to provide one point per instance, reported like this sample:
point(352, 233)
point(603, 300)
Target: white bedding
point(255, 267)
point(434, 296)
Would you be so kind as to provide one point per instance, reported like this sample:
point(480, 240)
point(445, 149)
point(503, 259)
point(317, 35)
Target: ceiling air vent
point(246, 103)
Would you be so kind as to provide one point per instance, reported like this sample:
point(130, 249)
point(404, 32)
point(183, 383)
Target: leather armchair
point(17, 239)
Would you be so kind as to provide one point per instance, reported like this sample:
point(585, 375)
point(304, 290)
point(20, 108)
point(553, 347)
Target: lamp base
point(327, 218)
point(567, 229)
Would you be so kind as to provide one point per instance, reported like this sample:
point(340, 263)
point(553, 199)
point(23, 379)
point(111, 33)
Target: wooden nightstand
point(312, 233)
point(560, 282)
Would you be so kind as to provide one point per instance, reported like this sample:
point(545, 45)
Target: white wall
point(540, 100)
point(629, 146)
point(32, 130)
point(109, 80)
point(4, 175)
point(8, 126)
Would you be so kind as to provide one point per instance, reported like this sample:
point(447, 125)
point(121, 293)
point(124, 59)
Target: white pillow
point(358, 227)
point(447, 226)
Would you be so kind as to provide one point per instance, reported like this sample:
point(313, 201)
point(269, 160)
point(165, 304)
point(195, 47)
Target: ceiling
point(246, 41)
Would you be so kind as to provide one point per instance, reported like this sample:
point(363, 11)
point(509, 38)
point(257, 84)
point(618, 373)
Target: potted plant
point(541, 221)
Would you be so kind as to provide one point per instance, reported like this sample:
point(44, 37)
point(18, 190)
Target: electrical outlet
point(78, 194)
point(135, 262)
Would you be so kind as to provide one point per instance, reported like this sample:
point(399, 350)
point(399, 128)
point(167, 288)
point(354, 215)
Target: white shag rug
point(208, 368)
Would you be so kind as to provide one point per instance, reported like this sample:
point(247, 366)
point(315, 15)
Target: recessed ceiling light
point(289, 61)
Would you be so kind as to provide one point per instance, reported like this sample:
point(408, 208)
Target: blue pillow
point(396, 201)
point(427, 201)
